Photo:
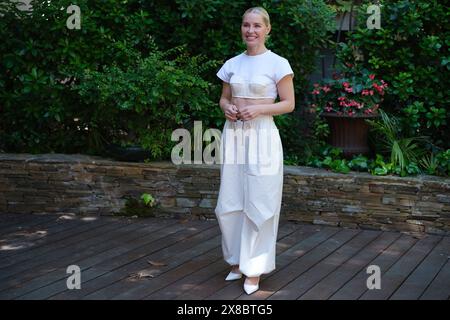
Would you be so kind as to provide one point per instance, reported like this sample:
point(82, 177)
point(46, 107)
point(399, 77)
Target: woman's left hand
point(250, 112)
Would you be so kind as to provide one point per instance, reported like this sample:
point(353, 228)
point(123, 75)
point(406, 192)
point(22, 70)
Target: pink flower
point(365, 92)
point(378, 88)
point(349, 89)
point(354, 103)
point(345, 84)
point(371, 92)
point(371, 76)
point(326, 89)
point(342, 102)
point(316, 92)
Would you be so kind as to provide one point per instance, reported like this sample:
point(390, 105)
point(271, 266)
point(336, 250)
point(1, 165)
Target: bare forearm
point(223, 102)
point(281, 107)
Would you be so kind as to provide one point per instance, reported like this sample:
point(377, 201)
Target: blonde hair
point(261, 11)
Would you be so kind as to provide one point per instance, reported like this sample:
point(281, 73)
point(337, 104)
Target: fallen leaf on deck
point(156, 264)
point(145, 274)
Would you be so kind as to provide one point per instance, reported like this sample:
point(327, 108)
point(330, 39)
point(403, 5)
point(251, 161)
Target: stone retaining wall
point(79, 184)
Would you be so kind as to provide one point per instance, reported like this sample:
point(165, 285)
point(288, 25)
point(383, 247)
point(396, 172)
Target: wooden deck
point(182, 260)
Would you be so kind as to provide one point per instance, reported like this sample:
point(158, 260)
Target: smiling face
point(254, 30)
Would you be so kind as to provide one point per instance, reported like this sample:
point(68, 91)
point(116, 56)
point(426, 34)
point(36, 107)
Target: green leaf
point(147, 199)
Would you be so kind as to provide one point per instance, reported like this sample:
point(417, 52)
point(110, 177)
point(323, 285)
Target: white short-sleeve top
point(256, 76)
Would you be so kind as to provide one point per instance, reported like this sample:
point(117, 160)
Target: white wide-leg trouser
point(249, 202)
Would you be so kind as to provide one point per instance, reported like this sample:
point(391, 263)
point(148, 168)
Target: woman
point(249, 201)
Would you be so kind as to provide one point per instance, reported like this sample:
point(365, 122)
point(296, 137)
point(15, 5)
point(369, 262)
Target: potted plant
point(346, 101)
point(144, 206)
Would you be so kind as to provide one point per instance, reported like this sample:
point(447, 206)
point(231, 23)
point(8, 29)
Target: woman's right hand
point(231, 112)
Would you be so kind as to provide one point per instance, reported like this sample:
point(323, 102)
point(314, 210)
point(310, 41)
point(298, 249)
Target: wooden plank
point(180, 266)
point(305, 255)
point(415, 285)
point(331, 283)
point(4, 217)
point(28, 223)
point(18, 218)
point(35, 237)
point(21, 240)
point(311, 264)
point(172, 256)
point(103, 264)
point(288, 233)
point(11, 219)
point(317, 255)
point(209, 287)
point(283, 229)
point(215, 224)
point(357, 286)
point(183, 285)
point(62, 231)
point(55, 282)
point(392, 278)
point(55, 251)
point(301, 284)
point(30, 277)
point(111, 270)
point(232, 290)
point(57, 268)
point(439, 289)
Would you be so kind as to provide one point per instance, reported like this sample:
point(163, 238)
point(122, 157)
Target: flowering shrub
point(350, 93)
point(411, 51)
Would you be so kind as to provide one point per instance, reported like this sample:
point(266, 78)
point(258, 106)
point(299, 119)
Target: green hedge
point(48, 73)
point(145, 101)
point(299, 29)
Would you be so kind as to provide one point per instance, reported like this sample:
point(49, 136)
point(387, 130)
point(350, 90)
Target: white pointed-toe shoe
point(233, 276)
point(250, 288)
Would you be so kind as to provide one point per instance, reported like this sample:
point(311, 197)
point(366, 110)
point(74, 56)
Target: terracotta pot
point(349, 133)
